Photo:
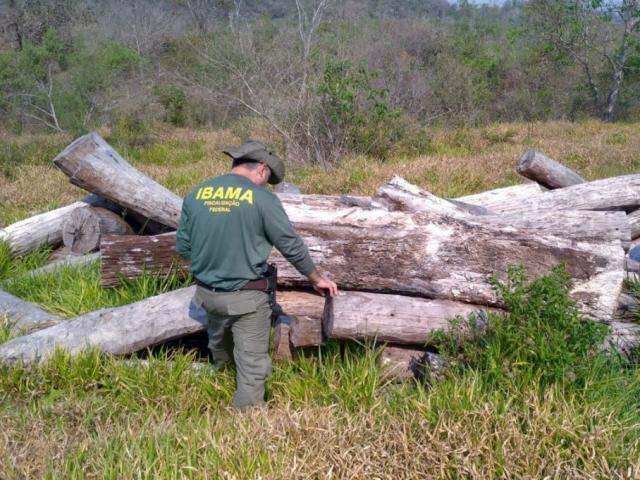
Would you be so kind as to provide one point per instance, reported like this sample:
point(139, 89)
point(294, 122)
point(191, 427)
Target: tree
point(600, 36)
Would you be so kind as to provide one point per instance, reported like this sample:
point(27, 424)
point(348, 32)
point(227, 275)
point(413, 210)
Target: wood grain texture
point(492, 199)
point(634, 224)
point(305, 310)
point(401, 363)
point(616, 193)
point(545, 171)
point(391, 318)
point(398, 194)
point(83, 228)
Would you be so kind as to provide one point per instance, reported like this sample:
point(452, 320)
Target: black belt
point(261, 284)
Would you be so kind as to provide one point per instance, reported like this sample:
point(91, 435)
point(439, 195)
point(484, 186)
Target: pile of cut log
point(407, 261)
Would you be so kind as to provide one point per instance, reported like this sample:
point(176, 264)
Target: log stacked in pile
point(407, 261)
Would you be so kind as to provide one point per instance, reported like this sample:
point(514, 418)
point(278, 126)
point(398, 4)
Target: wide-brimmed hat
point(259, 152)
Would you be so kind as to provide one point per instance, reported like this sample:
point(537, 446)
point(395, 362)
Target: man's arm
point(282, 235)
point(183, 239)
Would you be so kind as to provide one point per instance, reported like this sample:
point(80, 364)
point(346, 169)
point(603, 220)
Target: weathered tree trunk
point(92, 164)
point(398, 194)
point(24, 316)
point(634, 224)
point(547, 172)
point(45, 228)
point(83, 228)
point(494, 198)
point(423, 254)
point(305, 310)
point(441, 257)
point(392, 318)
point(119, 330)
point(67, 261)
point(401, 363)
point(113, 330)
point(617, 193)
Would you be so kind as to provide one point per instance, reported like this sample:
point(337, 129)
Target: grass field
point(533, 399)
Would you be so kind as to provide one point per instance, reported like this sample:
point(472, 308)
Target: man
point(228, 226)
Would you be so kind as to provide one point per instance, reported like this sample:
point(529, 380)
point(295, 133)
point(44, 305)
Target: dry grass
point(456, 163)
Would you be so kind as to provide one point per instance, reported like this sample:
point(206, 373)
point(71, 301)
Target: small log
point(83, 228)
point(547, 172)
point(23, 316)
point(398, 194)
point(634, 223)
point(92, 164)
point(401, 363)
point(305, 310)
point(45, 228)
point(392, 318)
point(494, 198)
point(67, 261)
point(617, 193)
point(118, 330)
point(281, 343)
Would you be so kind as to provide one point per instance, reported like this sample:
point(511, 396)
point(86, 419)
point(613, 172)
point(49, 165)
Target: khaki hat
point(257, 151)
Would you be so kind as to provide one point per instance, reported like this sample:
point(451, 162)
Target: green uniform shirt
point(228, 227)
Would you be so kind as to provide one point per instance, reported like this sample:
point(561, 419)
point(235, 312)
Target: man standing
point(228, 226)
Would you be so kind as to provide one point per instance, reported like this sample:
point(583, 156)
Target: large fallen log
point(120, 330)
point(392, 318)
point(83, 228)
point(398, 194)
point(617, 193)
point(494, 198)
point(423, 254)
point(45, 228)
point(22, 316)
point(623, 338)
point(547, 172)
point(92, 164)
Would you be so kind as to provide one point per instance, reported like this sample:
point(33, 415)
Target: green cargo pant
point(239, 324)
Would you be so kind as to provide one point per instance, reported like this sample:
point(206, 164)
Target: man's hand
point(321, 284)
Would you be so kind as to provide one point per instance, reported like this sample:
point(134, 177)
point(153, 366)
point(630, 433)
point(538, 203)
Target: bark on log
point(23, 316)
point(119, 331)
point(392, 318)
point(92, 164)
point(398, 194)
point(494, 198)
point(634, 224)
point(45, 228)
point(617, 193)
point(83, 228)
point(305, 310)
point(423, 254)
point(400, 363)
point(547, 172)
point(441, 257)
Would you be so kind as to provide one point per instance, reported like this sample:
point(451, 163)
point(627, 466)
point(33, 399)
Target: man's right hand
point(322, 284)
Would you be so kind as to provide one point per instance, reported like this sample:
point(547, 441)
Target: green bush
point(175, 103)
point(543, 338)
